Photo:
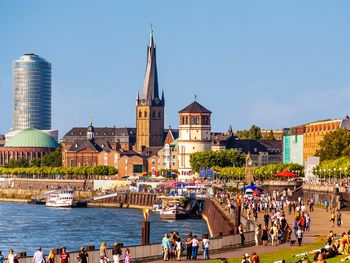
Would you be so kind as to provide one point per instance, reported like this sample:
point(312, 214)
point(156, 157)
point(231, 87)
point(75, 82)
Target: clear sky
point(271, 63)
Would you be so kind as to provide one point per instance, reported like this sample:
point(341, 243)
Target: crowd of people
point(173, 247)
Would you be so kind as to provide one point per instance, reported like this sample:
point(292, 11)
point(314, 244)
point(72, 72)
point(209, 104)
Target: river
point(23, 227)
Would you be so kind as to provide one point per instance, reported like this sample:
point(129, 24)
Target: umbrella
point(285, 173)
point(252, 187)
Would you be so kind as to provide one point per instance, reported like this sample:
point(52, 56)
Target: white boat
point(173, 212)
point(61, 198)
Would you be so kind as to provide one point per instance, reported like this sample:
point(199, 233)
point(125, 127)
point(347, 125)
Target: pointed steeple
point(150, 95)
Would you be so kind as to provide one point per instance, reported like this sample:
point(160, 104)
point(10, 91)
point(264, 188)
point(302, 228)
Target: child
point(127, 256)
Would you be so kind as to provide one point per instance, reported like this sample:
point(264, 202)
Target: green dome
point(32, 138)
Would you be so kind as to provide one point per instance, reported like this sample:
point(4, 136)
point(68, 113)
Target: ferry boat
point(173, 212)
point(61, 198)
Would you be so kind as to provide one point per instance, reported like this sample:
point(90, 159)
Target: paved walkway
point(320, 226)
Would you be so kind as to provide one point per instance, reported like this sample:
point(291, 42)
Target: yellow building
point(315, 132)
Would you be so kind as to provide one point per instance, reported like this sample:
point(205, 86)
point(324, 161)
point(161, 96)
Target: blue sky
point(271, 63)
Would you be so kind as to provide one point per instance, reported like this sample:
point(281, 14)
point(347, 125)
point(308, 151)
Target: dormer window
point(76, 145)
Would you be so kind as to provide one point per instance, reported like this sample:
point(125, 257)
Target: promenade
point(320, 226)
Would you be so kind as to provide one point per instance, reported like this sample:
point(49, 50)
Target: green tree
point(334, 145)
point(20, 163)
point(254, 133)
point(270, 136)
point(53, 159)
point(208, 159)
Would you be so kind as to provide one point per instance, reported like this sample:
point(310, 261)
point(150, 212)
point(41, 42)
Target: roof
point(101, 132)
point(194, 107)
point(32, 138)
point(256, 146)
point(148, 151)
point(96, 145)
point(2, 137)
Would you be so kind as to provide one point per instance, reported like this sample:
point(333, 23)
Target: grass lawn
point(287, 254)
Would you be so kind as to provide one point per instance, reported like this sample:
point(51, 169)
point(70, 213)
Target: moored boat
point(61, 198)
point(173, 212)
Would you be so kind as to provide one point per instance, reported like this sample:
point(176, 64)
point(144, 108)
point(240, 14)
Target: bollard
point(145, 233)
point(90, 248)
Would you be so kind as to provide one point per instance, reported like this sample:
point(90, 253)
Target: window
point(140, 114)
point(159, 114)
point(153, 114)
point(137, 168)
point(145, 114)
point(153, 162)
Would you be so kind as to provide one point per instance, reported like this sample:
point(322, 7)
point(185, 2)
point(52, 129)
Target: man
point(189, 246)
point(83, 256)
point(64, 257)
point(299, 235)
point(116, 252)
point(39, 256)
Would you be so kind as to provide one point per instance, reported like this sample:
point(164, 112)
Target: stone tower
point(150, 107)
point(194, 135)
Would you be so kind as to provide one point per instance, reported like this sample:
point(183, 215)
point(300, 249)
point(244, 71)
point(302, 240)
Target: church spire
point(150, 94)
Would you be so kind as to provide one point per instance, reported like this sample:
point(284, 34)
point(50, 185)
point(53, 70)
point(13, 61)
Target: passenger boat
point(172, 208)
point(61, 198)
point(173, 212)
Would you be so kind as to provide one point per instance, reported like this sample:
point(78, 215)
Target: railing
point(154, 251)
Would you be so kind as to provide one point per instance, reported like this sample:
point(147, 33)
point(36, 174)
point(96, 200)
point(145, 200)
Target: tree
point(53, 159)
point(254, 133)
point(20, 163)
point(208, 159)
point(270, 136)
point(334, 145)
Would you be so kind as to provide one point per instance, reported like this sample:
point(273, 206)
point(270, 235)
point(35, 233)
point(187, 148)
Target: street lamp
point(340, 172)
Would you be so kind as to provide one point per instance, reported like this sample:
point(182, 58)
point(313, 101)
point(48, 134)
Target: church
point(126, 148)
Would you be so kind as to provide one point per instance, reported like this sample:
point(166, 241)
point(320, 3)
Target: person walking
point(83, 256)
point(299, 236)
point(205, 244)
point(195, 244)
point(103, 252)
point(241, 233)
point(332, 220)
point(39, 256)
point(166, 247)
point(339, 221)
point(64, 257)
point(326, 205)
point(116, 252)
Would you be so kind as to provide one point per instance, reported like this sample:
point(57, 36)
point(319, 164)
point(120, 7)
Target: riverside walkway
point(320, 226)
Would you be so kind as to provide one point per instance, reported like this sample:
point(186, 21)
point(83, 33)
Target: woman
point(127, 256)
point(195, 244)
point(339, 219)
point(116, 252)
point(11, 258)
point(103, 252)
point(51, 258)
point(264, 236)
point(205, 245)
point(178, 248)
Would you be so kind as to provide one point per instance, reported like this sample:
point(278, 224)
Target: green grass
point(287, 254)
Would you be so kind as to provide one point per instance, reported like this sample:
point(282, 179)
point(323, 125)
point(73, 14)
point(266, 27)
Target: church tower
point(150, 107)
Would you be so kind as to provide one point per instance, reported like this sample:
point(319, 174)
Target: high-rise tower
point(31, 93)
point(150, 107)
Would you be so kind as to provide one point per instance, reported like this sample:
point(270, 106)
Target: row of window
point(154, 114)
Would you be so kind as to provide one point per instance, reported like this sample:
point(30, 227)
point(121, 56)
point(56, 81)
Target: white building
point(194, 136)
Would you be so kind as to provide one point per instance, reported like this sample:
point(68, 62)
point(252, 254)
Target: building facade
point(31, 93)
point(27, 145)
point(277, 134)
point(293, 145)
point(194, 135)
point(315, 132)
point(150, 107)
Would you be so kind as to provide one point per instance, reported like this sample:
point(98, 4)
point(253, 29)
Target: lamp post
point(334, 169)
point(340, 172)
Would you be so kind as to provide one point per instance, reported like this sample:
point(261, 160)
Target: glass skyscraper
point(31, 93)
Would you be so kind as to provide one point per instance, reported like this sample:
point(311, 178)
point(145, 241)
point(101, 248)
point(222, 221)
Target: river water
point(23, 227)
